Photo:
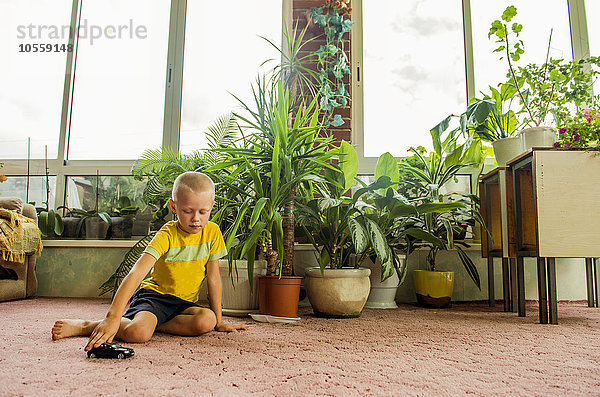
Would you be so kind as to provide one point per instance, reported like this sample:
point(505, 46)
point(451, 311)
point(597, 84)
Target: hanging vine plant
point(334, 18)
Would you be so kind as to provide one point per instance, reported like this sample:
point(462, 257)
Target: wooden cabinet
point(543, 204)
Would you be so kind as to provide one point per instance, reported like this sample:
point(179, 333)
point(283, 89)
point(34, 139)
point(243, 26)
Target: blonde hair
point(195, 182)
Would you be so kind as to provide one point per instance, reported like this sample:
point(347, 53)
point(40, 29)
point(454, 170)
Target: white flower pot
point(383, 294)
point(237, 298)
point(506, 149)
point(537, 137)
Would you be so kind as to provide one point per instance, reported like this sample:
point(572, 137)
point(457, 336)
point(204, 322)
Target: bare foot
point(66, 328)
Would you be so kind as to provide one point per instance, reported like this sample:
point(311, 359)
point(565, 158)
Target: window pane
point(223, 57)
point(119, 89)
point(489, 69)
point(414, 71)
point(16, 186)
point(32, 82)
point(81, 192)
point(592, 10)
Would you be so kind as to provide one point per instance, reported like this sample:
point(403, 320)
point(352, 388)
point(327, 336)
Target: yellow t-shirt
point(181, 259)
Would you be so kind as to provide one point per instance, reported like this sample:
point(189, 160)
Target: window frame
point(61, 167)
point(579, 46)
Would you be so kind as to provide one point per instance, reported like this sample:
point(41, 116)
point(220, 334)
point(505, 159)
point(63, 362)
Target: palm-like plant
point(439, 215)
point(281, 151)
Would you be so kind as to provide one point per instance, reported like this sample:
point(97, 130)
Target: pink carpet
point(468, 349)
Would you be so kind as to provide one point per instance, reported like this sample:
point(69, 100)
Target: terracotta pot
point(338, 293)
point(433, 289)
point(279, 296)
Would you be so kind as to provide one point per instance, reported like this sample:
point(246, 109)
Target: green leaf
point(388, 166)
point(378, 240)
point(58, 225)
point(260, 204)
point(348, 163)
point(359, 235)
point(252, 239)
point(509, 13)
point(439, 208)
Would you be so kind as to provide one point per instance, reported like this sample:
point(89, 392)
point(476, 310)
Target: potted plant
point(280, 149)
point(121, 219)
point(580, 132)
point(92, 224)
point(346, 231)
point(545, 90)
point(441, 215)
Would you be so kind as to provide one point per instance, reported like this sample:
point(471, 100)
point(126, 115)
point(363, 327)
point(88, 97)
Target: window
point(32, 81)
point(227, 63)
point(489, 69)
point(409, 62)
point(33, 190)
point(119, 85)
point(413, 71)
point(117, 90)
point(81, 192)
point(592, 10)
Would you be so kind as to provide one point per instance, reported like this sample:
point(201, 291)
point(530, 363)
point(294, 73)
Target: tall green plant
point(441, 215)
point(279, 150)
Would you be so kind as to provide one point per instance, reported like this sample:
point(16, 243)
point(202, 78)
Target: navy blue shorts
point(163, 306)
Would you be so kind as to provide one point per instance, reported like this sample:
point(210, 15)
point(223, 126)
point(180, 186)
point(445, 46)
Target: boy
point(180, 254)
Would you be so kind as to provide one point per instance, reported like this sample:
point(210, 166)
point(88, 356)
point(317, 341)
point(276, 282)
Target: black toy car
point(110, 350)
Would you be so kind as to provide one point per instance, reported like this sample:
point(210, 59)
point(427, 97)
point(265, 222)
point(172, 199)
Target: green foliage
point(552, 87)
point(130, 258)
point(333, 63)
point(280, 150)
point(441, 217)
point(50, 222)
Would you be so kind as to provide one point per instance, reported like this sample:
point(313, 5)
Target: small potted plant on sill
point(121, 219)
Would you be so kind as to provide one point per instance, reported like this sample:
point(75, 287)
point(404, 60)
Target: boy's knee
point(204, 322)
point(137, 333)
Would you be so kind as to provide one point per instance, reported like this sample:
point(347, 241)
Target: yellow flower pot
point(433, 289)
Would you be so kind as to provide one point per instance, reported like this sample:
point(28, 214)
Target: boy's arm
point(215, 293)
point(107, 329)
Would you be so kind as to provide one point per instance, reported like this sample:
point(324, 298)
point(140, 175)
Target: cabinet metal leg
point(514, 296)
point(552, 298)
point(543, 298)
point(506, 285)
point(491, 295)
point(596, 281)
point(521, 286)
point(589, 281)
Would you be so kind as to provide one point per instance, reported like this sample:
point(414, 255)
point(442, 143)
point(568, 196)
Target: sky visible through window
point(222, 57)
point(32, 83)
point(414, 71)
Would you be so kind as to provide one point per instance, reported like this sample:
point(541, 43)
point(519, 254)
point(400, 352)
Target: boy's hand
point(104, 332)
point(222, 327)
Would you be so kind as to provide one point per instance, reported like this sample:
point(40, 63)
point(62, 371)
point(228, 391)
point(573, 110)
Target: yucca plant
point(282, 149)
